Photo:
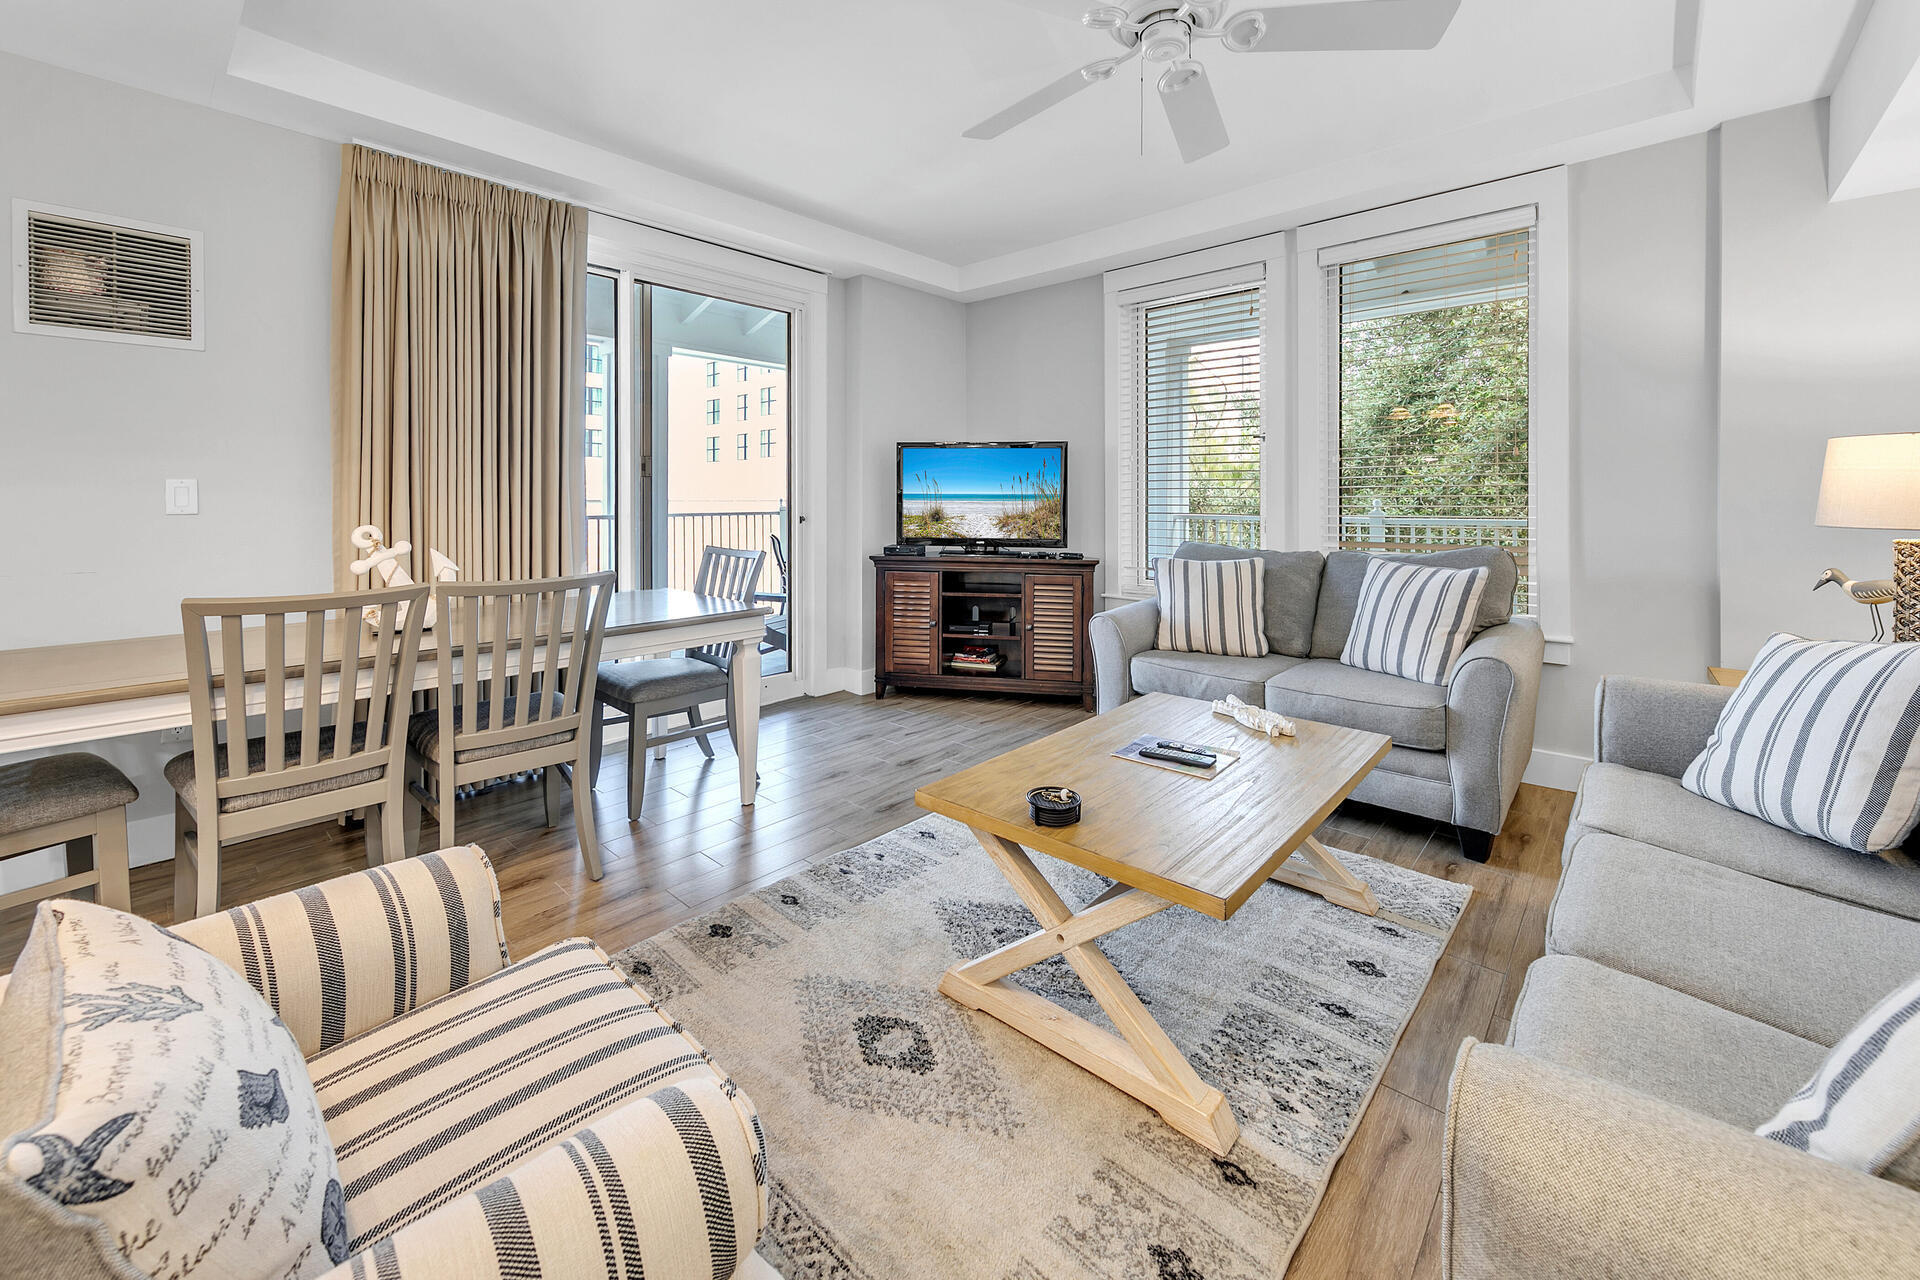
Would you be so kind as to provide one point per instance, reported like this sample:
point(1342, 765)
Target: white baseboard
point(850, 679)
point(1557, 769)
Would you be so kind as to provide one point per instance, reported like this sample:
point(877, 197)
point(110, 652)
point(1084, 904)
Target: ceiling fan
point(1163, 31)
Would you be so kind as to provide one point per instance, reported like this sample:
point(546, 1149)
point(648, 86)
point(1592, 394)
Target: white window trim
point(1434, 220)
point(1267, 260)
point(696, 266)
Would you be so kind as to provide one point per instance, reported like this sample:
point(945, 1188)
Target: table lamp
point(1873, 482)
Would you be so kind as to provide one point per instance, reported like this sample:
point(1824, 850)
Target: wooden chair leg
point(550, 781)
point(636, 764)
point(596, 747)
point(440, 785)
point(583, 828)
point(693, 719)
point(410, 809)
point(110, 852)
point(372, 820)
point(196, 866)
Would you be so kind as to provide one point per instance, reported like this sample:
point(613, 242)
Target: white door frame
point(659, 257)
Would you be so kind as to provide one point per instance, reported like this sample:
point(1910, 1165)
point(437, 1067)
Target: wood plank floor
point(839, 770)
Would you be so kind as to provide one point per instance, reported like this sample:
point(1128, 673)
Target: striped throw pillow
point(1862, 1108)
point(1413, 620)
point(1211, 606)
point(1819, 738)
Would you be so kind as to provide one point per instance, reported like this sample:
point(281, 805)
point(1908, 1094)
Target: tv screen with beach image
point(960, 492)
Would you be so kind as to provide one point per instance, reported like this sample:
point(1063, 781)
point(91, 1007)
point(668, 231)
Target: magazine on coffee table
point(1133, 749)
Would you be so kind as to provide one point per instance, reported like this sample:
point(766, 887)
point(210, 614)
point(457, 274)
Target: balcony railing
point(1378, 531)
point(691, 532)
point(1173, 528)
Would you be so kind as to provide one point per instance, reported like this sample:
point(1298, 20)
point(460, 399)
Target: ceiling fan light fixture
point(1244, 31)
point(1180, 75)
point(1104, 17)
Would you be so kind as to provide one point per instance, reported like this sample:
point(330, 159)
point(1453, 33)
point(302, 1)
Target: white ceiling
point(829, 133)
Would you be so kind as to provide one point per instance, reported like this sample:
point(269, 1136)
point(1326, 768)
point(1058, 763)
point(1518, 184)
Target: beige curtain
point(459, 339)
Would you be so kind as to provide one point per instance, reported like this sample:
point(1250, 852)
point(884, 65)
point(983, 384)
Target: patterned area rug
point(911, 1137)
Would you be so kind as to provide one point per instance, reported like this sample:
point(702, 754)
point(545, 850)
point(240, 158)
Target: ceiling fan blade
point(1353, 25)
point(1195, 117)
point(1031, 105)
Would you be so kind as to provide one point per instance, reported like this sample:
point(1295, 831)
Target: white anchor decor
point(386, 562)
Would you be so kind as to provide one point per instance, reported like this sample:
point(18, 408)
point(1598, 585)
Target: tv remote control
point(1179, 757)
point(1164, 745)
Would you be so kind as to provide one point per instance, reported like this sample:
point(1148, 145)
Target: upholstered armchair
point(495, 1119)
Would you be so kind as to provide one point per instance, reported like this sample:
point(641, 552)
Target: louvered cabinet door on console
point(1055, 605)
point(910, 622)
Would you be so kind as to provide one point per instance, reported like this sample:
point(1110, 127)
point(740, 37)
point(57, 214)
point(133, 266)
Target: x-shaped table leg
point(1142, 1060)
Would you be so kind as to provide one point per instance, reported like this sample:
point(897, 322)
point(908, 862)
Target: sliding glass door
point(698, 450)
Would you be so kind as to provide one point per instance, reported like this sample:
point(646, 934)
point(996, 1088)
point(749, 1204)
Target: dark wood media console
point(1036, 612)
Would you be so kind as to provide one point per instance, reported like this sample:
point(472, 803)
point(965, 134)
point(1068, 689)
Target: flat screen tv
point(1012, 495)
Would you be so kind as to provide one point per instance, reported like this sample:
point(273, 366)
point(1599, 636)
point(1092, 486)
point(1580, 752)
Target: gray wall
point(1036, 370)
point(1820, 317)
point(91, 429)
point(1643, 440)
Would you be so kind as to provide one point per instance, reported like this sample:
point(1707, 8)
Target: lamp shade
point(1871, 482)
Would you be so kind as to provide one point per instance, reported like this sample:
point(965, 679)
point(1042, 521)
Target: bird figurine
point(1873, 594)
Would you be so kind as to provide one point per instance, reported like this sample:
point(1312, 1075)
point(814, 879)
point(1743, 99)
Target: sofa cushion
point(1862, 1106)
point(1656, 809)
point(1411, 713)
point(1291, 590)
point(1206, 675)
point(1346, 570)
point(149, 1101)
point(1651, 1038)
point(1820, 738)
point(1810, 966)
point(448, 1097)
point(1211, 606)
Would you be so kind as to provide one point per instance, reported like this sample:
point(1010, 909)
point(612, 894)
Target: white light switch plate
point(183, 497)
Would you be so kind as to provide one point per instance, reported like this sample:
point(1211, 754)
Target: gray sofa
point(1458, 749)
point(1699, 964)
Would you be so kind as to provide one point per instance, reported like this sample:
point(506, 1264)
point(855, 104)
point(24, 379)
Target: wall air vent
point(88, 275)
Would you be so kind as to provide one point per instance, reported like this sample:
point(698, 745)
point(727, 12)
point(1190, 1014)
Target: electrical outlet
point(178, 733)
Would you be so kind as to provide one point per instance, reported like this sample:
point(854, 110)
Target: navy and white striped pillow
point(1413, 620)
point(1862, 1108)
point(1212, 606)
point(1820, 738)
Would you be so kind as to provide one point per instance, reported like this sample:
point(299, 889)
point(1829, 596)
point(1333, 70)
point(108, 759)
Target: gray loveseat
point(1458, 749)
point(1699, 965)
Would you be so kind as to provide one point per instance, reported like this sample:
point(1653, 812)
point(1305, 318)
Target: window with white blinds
point(1191, 397)
point(1428, 423)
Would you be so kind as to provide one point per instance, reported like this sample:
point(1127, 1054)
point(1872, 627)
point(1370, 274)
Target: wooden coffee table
point(1166, 839)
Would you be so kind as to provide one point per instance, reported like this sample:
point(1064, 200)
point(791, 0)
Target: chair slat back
point(507, 649)
point(730, 574)
point(334, 670)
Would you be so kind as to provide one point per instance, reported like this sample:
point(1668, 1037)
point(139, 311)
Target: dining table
point(56, 695)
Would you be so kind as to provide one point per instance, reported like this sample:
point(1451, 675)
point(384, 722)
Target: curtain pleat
point(459, 336)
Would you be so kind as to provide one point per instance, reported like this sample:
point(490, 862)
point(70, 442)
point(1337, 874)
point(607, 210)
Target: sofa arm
point(1491, 700)
point(672, 1185)
point(1550, 1173)
point(1117, 635)
point(1655, 725)
point(339, 958)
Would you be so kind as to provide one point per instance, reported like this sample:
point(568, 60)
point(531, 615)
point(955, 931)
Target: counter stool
point(78, 800)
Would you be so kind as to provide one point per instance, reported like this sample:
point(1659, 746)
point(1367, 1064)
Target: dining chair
point(779, 634)
point(234, 786)
point(633, 693)
point(517, 667)
point(73, 799)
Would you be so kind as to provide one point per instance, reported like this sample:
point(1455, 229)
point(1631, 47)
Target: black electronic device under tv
point(996, 494)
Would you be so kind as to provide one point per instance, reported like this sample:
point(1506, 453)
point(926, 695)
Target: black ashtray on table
point(1054, 806)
